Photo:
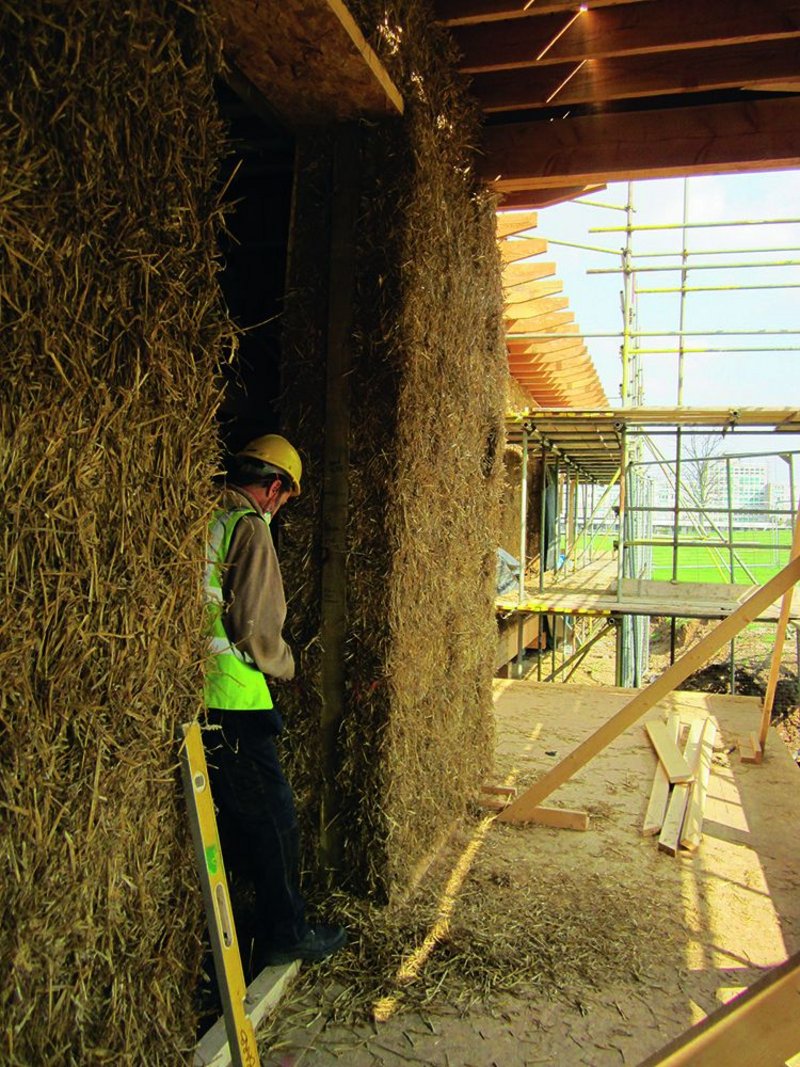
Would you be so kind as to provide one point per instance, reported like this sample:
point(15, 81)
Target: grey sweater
point(252, 587)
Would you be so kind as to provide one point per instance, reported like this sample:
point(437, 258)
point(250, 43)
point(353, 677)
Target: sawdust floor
point(638, 945)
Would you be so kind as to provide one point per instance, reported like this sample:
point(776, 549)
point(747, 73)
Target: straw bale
point(427, 393)
point(112, 332)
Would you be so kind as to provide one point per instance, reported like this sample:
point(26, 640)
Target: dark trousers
point(257, 820)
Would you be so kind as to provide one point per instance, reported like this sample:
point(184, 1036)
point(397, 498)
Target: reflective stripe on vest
point(232, 681)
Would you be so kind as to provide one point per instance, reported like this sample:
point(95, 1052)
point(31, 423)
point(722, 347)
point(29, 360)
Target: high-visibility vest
point(232, 680)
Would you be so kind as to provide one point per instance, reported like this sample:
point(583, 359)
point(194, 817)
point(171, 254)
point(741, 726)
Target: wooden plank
point(777, 651)
point(648, 697)
point(522, 325)
point(519, 312)
point(525, 351)
point(563, 362)
point(660, 26)
point(368, 55)
point(530, 291)
point(749, 748)
point(510, 222)
point(524, 294)
point(712, 139)
point(516, 248)
point(555, 818)
point(693, 824)
point(659, 793)
point(308, 58)
point(761, 1020)
point(670, 836)
point(263, 995)
point(499, 790)
point(514, 274)
point(547, 323)
point(628, 77)
point(560, 818)
point(674, 763)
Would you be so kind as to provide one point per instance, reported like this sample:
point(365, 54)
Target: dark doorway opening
point(259, 170)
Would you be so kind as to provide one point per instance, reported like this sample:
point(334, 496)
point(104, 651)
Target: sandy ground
point(639, 944)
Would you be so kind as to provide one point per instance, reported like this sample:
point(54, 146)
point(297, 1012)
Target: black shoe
point(318, 943)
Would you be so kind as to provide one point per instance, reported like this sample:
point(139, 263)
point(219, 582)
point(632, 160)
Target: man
point(247, 610)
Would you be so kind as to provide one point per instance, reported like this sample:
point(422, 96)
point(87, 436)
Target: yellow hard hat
point(276, 450)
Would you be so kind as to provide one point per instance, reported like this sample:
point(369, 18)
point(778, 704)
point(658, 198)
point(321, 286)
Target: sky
point(711, 379)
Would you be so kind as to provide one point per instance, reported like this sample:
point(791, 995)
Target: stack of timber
point(680, 784)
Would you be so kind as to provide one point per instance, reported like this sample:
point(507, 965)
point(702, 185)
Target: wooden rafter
point(514, 249)
point(511, 222)
point(694, 70)
point(535, 291)
point(624, 30)
point(555, 320)
point(691, 140)
point(522, 273)
point(544, 304)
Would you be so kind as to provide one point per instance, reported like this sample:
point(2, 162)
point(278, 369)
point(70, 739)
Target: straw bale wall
point(512, 502)
point(111, 334)
point(426, 393)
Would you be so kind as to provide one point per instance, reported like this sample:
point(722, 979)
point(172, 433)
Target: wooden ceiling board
point(308, 59)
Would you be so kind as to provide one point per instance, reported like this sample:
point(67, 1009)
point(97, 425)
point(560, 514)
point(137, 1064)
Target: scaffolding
point(619, 521)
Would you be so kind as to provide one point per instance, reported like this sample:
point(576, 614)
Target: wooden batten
point(672, 760)
point(669, 839)
point(659, 794)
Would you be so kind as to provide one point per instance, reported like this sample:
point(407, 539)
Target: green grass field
point(712, 564)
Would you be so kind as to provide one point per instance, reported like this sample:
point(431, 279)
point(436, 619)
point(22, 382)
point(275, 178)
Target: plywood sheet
point(308, 59)
point(686, 600)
